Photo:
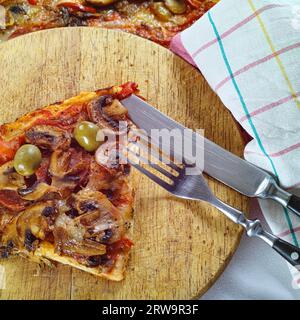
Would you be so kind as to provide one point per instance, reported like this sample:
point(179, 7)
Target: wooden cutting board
point(181, 247)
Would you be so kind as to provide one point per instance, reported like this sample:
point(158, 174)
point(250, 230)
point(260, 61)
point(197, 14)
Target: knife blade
point(218, 163)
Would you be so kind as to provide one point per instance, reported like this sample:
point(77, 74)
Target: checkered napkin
point(249, 52)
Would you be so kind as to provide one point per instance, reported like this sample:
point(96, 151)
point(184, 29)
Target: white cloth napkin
point(249, 52)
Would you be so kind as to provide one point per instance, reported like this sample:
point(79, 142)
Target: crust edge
point(46, 251)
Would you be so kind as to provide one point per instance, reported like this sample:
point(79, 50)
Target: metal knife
point(218, 163)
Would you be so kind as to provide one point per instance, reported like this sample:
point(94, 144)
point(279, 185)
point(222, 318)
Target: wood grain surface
point(181, 247)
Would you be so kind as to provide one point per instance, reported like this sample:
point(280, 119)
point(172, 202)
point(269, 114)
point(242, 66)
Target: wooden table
point(181, 247)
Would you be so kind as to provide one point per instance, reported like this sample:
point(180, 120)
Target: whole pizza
point(155, 20)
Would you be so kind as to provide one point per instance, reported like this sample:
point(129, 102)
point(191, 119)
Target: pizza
point(155, 20)
point(65, 196)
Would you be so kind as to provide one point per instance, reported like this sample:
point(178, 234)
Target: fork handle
point(288, 251)
point(254, 228)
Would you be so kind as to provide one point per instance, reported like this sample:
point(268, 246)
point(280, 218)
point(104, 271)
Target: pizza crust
point(47, 250)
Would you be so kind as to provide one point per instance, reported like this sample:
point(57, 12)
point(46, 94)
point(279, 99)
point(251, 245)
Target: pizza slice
point(64, 194)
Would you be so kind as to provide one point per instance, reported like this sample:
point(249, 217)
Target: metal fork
point(194, 187)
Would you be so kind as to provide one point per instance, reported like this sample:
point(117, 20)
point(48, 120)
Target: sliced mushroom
point(86, 201)
point(18, 9)
point(106, 111)
point(98, 215)
point(10, 20)
point(86, 248)
point(112, 156)
point(9, 178)
point(32, 226)
point(72, 229)
point(69, 169)
point(30, 240)
point(115, 109)
point(122, 197)
point(66, 163)
point(102, 177)
point(38, 191)
point(8, 233)
point(69, 238)
point(6, 250)
point(48, 137)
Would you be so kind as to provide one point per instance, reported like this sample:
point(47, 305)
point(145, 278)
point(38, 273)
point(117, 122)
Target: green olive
point(27, 159)
point(176, 6)
point(85, 134)
point(101, 2)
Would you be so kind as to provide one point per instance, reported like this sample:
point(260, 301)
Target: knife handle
point(288, 251)
point(286, 199)
point(294, 204)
